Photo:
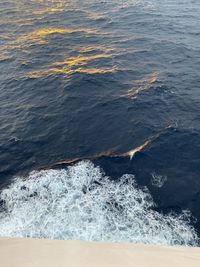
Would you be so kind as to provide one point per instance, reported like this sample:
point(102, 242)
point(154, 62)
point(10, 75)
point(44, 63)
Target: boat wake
point(81, 202)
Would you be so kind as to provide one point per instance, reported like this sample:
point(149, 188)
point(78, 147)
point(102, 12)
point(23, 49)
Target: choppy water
point(95, 80)
point(82, 203)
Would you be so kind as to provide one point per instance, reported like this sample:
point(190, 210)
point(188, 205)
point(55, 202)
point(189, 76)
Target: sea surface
point(100, 120)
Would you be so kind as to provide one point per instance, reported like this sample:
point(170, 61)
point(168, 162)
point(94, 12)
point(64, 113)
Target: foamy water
point(82, 203)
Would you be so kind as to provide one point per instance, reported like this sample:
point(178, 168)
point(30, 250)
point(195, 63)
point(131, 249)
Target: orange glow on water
point(81, 60)
point(67, 71)
point(38, 36)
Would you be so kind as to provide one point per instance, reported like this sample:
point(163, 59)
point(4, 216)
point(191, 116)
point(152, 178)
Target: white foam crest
point(82, 203)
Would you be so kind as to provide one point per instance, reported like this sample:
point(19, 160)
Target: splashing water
point(158, 180)
point(82, 203)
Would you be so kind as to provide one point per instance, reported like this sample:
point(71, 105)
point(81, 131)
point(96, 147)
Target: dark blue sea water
point(101, 100)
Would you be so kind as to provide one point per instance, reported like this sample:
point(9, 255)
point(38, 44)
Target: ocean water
point(100, 120)
point(82, 203)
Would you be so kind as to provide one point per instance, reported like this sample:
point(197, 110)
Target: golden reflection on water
point(77, 64)
point(50, 7)
point(52, 10)
point(38, 36)
point(96, 17)
point(41, 37)
point(81, 60)
point(67, 72)
point(81, 63)
point(42, 7)
point(96, 48)
point(34, 11)
point(4, 56)
point(97, 70)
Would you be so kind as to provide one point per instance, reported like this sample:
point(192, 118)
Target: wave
point(141, 85)
point(81, 202)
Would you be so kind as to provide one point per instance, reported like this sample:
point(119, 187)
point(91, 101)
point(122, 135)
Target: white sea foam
point(82, 203)
point(158, 180)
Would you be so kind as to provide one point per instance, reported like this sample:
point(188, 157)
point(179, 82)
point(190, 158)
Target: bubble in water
point(158, 180)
